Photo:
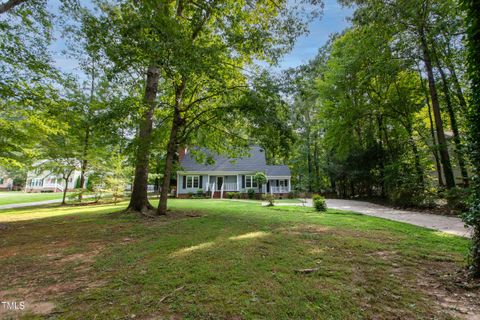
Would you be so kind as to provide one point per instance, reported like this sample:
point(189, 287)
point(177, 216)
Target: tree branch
point(10, 4)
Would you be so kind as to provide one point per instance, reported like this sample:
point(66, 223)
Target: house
point(231, 175)
point(41, 180)
point(6, 183)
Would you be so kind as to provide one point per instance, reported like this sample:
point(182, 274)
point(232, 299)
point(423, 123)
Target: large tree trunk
point(434, 148)
point(453, 123)
point(171, 149)
point(442, 142)
point(432, 133)
point(177, 124)
point(139, 199)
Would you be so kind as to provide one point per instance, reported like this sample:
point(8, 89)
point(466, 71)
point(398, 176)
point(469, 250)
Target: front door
point(219, 183)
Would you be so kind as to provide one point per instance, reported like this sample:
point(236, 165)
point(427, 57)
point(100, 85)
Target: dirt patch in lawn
point(63, 273)
point(452, 292)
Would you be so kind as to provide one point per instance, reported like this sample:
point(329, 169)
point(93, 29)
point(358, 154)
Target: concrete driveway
point(451, 225)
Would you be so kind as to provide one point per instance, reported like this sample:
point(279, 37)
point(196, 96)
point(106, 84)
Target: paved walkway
point(451, 225)
point(36, 203)
point(28, 204)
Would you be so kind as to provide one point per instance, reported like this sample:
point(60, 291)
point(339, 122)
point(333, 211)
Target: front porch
point(44, 185)
point(189, 183)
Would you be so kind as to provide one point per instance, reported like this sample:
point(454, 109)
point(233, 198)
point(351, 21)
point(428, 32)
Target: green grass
point(14, 197)
point(213, 259)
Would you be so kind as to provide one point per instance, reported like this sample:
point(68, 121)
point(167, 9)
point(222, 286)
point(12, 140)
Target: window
point(1, 180)
point(192, 181)
point(250, 182)
point(36, 182)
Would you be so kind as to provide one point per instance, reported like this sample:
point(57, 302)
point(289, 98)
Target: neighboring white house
point(39, 180)
point(6, 183)
point(231, 175)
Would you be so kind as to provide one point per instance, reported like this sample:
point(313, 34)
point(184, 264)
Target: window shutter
point(243, 182)
point(184, 185)
point(200, 184)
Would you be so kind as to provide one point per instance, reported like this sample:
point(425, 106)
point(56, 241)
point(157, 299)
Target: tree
point(10, 4)
point(260, 178)
point(212, 43)
point(25, 93)
point(63, 168)
point(415, 26)
point(116, 178)
point(472, 218)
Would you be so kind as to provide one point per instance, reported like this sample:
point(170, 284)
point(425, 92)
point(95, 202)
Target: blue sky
point(334, 19)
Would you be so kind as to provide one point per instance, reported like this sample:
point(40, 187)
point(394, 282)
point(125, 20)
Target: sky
point(334, 19)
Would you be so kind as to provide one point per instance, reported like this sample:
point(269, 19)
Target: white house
point(41, 180)
point(231, 175)
point(6, 183)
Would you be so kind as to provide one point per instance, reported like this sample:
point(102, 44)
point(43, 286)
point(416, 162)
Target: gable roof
point(255, 162)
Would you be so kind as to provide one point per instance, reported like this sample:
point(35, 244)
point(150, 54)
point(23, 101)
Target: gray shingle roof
point(256, 162)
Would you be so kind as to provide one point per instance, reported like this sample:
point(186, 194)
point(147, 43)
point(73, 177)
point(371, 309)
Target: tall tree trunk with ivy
point(472, 218)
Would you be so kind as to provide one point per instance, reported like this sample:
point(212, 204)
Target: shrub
point(230, 195)
point(319, 203)
point(457, 198)
point(270, 198)
point(251, 193)
point(292, 195)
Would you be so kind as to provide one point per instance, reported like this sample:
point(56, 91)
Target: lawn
point(212, 259)
point(23, 197)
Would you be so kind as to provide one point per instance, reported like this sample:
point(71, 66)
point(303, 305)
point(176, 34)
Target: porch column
point(208, 183)
point(238, 182)
point(289, 184)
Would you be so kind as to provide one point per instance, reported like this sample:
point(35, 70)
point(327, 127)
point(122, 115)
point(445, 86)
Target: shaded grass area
point(13, 197)
point(218, 259)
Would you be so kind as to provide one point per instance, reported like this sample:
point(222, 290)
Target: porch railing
point(226, 187)
point(279, 189)
point(46, 186)
point(230, 186)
